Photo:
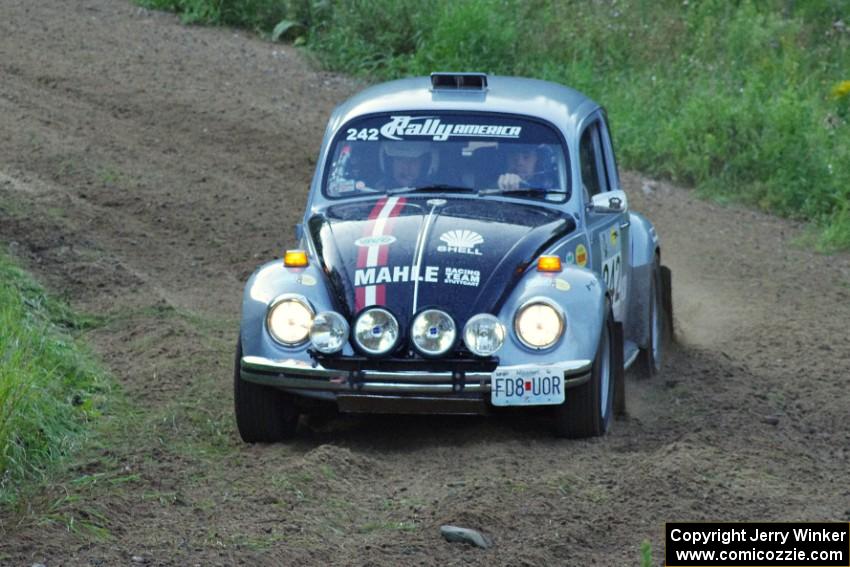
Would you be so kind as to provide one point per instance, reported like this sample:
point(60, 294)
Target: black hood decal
point(461, 255)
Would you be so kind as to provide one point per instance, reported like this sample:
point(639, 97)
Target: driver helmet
point(546, 171)
point(409, 150)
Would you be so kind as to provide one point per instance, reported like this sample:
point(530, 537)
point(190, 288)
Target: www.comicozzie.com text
point(727, 536)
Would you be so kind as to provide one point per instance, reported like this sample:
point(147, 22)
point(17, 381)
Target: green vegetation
point(49, 389)
point(645, 554)
point(748, 101)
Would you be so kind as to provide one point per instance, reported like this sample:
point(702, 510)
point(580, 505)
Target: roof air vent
point(459, 81)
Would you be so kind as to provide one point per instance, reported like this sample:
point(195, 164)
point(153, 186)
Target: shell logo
point(461, 238)
point(461, 242)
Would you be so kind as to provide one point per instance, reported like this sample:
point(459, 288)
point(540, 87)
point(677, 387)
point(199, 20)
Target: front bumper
point(379, 390)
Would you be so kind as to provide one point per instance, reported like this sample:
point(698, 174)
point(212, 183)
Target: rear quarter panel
point(644, 244)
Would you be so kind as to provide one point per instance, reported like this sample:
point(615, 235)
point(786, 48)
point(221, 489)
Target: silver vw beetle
point(466, 249)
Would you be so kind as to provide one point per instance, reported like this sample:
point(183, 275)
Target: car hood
point(462, 255)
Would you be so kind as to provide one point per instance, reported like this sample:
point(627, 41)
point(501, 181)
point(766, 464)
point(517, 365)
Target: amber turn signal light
point(549, 264)
point(295, 259)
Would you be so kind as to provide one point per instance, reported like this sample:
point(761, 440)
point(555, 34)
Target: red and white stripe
point(381, 220)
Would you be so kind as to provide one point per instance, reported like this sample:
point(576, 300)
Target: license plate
point(527, 386)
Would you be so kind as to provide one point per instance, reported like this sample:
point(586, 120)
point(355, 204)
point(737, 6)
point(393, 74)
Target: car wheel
point(589, 408)
point(263, 414)
point(649, 359)
point(667, 293)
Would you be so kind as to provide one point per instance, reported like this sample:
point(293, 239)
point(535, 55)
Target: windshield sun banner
point(450, 152)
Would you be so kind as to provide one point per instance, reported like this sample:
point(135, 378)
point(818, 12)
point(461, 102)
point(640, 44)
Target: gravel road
point(146, 168)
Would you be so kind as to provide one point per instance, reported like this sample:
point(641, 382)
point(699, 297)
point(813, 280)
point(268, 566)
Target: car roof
point(560, 105)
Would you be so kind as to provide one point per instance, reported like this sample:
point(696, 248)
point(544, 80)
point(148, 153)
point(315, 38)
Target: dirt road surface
point(146, 168)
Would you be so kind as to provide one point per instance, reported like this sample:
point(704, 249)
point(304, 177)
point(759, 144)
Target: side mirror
point(609, 202)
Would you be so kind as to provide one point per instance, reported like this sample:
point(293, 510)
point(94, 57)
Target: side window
point(608, 151)
point(594, 174)
point(589, 177)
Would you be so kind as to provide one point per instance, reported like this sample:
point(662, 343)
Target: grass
point(50, 389)
point(387, 526)
point(748, 101)
point(83, 521)
point(645, 554)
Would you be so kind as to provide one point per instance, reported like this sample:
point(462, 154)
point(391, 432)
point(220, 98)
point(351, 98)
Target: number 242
point(370, 134)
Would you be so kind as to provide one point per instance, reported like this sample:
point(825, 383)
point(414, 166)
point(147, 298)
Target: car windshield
point(488, 154)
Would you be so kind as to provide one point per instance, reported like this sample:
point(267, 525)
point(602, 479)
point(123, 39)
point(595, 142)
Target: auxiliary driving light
point(433, 332)
point(329, 332)
point(376, 331)
point(484, 334)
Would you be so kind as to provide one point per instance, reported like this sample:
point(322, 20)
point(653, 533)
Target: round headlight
point(329, 332)
point(433, 332)
point(289, 319)
point(539, 323)
point(484, 334)
point(376, 331)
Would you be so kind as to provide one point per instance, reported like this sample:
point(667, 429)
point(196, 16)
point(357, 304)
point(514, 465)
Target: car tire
point(263, 414)
point(589, 409)
point(620, 377)
point(667, 290)
point(649, 360)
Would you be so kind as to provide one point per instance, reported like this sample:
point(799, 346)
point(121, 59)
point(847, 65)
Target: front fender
point(580, 293)
point(268, 282)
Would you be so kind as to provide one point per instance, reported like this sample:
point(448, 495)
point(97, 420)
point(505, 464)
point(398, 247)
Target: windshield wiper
point(530, 192)
point(435, 187)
